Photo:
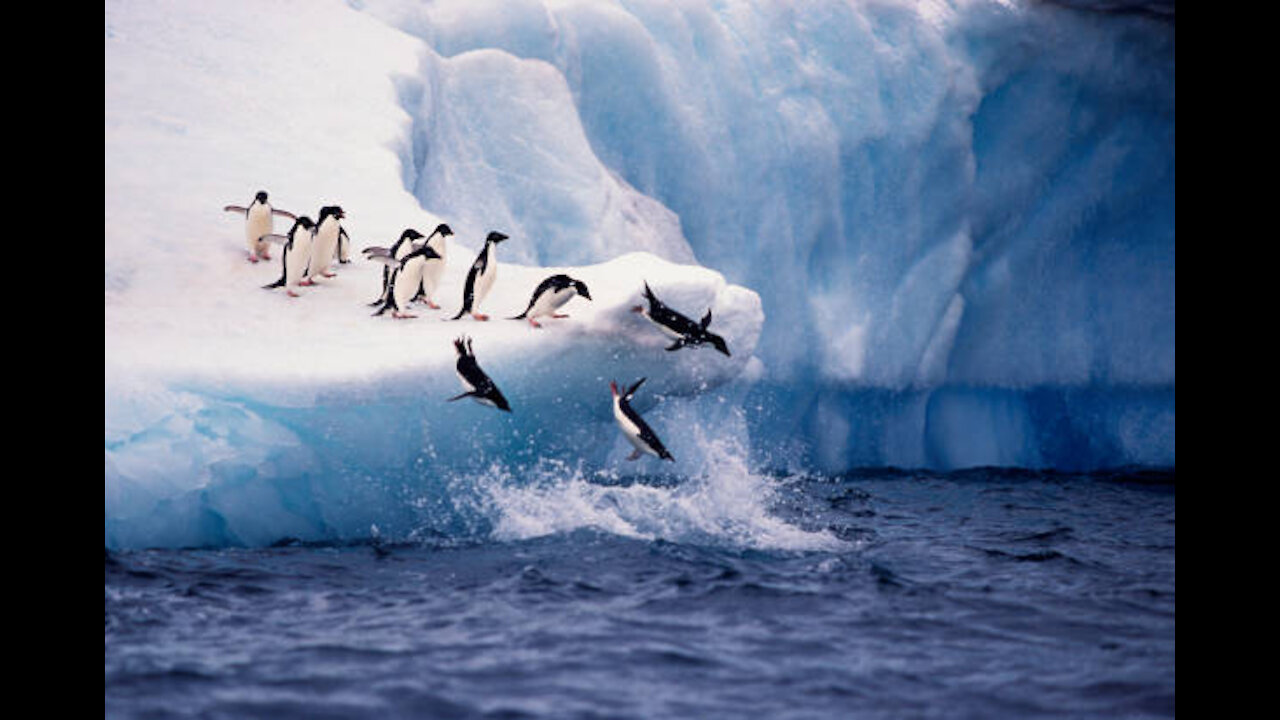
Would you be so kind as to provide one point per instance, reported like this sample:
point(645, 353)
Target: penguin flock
point(412, 268)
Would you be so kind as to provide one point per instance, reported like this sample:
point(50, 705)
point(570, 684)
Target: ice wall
point(973, 197)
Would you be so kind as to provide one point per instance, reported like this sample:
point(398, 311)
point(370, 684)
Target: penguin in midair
point(257, 224)
point(480, 277)
point(434, 269)
point(678, 327)
point(401, 247)
point(478, 384)
point(325, 245)
point(634, 427)
point(296, 255)
point(406, 278)
point(550, 295)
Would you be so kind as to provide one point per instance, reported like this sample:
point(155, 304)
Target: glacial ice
point(935, 235)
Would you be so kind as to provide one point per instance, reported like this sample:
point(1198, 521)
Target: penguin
point(434, 269)
point(406, 278)
point(550, 295)
point(634, 427)
point(296, 255)
point(478, 384)
point(678, 327)
point(480, 277)
point(325, 245)
point(257, 224)
point(401, 247)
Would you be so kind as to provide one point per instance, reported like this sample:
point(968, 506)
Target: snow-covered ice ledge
point(308, 417)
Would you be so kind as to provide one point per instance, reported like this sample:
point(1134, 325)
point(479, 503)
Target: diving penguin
point(634, 427)
point(296, 255)
point(478, 384)
point(678, 327)
point(406, 278)
point(480, 277)
point(550, 295)
point(325, 246)
point(257, 224)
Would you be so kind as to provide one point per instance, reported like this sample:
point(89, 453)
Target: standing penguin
point(296, 255)
point(257, 224)
point(406, 278)
point(678, 327)
point(478, 384)
point(550, 295)
point(634, 427)
point(434, 268)
point(401, 247)
point(480, 278)
point(325, 245)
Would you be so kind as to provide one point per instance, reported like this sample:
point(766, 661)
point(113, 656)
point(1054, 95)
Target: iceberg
point(934, 235)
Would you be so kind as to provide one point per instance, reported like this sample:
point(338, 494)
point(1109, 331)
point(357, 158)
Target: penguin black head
point(410, 234)
point(444, 229)
point(495, 237)
point(581, 289)
point(304, 222)
point(261, 196)
point(333, 210)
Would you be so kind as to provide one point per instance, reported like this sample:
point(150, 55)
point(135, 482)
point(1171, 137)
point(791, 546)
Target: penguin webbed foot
point(635, 455)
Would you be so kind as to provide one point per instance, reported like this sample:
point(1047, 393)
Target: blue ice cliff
point(935, 235)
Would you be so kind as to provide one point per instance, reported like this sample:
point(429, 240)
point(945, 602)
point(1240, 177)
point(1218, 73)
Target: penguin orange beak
point(613, 388)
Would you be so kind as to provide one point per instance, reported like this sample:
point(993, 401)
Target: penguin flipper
point(676, 345)
point(469, 393)
point(706, 319)
point(385, 260)
point(632, 390)
point(344, 246)
point(284, 213)
point(236, 208)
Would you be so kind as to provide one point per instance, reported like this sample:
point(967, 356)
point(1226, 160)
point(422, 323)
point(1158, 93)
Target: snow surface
point(934, 234)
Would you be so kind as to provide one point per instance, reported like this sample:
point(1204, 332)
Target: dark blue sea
point(978, 594)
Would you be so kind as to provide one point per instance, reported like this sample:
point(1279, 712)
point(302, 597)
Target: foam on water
point(722, 503)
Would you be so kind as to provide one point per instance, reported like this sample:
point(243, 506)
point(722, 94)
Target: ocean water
point(977, 594)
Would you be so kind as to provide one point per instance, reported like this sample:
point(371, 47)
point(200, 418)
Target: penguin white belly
point(551, 301)
point(323, 247)
point(406, 282)
point(432, 271)
point(629, 428)
point(257, 224)
point(297, 257)
point(484, 283)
